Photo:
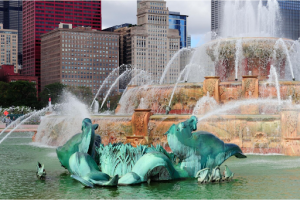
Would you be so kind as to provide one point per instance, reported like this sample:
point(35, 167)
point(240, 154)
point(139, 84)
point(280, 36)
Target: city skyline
point(198, 12)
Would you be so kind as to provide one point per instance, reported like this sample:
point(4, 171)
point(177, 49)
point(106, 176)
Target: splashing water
point(25, 120)
point(273, 78)
point(17, 121)
point(56, 129)
point(178, 79)
point(238, 55)
point(205, 103)
point(247, 18)
point(127, 101)
point(281, 43)
point(236, 104)
point(113, 73)
point(142, 104)
point(175, 56)
point(113, 85)
point(96, 107)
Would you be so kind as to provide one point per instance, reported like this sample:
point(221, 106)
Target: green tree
point(84, 94)
point(53, 91)
point(114, 100)
point(3, 94)
point(22, 93)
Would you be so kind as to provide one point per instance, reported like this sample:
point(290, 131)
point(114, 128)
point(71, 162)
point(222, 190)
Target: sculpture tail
point(112, 182)
point(83, 181)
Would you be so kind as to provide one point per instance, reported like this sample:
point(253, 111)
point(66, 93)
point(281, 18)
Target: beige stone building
point(79, 57)
point(151, 44)
point(9, 47)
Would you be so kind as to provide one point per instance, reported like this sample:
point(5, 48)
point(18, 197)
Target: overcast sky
point(115, 12)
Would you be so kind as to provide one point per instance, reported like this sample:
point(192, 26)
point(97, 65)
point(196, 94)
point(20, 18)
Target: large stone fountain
point(240, 105)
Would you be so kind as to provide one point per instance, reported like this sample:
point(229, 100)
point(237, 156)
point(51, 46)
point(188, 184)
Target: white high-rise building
point(153, 44)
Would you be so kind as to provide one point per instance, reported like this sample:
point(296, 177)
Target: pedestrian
point(7, 121)
point(13, 120)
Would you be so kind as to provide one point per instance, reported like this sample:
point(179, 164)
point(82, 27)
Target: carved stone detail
point(140, 122)
point(140, 119)
point(291, 123)
point(250, 86)
point(211, 86)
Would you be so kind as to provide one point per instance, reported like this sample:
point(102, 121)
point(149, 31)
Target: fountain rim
point(142, 110)
point(248, 38)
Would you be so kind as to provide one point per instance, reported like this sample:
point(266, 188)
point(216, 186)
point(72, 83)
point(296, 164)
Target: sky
point(115, 12)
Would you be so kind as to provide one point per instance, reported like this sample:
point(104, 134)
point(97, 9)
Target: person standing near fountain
point(7, 121)
point(13, 120)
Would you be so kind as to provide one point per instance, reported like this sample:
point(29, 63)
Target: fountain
point(250, 85)
point(241, 87)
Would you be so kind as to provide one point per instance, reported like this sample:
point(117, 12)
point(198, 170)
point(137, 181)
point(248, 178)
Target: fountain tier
point(236, 57)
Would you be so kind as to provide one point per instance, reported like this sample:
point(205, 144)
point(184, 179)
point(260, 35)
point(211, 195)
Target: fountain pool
point(259, 177)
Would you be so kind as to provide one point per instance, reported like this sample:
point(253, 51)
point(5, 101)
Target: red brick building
point(40, 17)
point(7, 74)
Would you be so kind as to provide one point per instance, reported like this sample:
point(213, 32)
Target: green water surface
point(258, 176)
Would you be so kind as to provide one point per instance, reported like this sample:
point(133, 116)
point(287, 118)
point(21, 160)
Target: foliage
point(114, 100)
point(3, 93)
point(18, 93)
point(132, 25)
point(53, 91)
point(18, 111)
point(15, 110)
point(84, 94)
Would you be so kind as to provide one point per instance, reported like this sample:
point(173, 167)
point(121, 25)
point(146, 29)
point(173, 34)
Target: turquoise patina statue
point(197, 154)
point(78, 155)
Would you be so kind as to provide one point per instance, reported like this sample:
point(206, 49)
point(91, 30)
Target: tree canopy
point(18, 93)
point(84, 94)
point(53, 91)
point(56, 90)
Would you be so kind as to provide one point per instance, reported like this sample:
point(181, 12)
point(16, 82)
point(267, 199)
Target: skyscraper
point(9, 47)
point(216, 12)
point(290, 13)
point(43, 16)
point(79, 57)
point(153, 44)
point(179, 22)
point(11, 18)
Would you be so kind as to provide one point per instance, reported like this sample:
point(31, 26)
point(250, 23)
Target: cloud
point(115, 12)
point(198, 11)
point(118, 12)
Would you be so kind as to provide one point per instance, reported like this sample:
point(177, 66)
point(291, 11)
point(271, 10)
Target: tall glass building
point(11, 18)
point(179, 22)
point(290, 13)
